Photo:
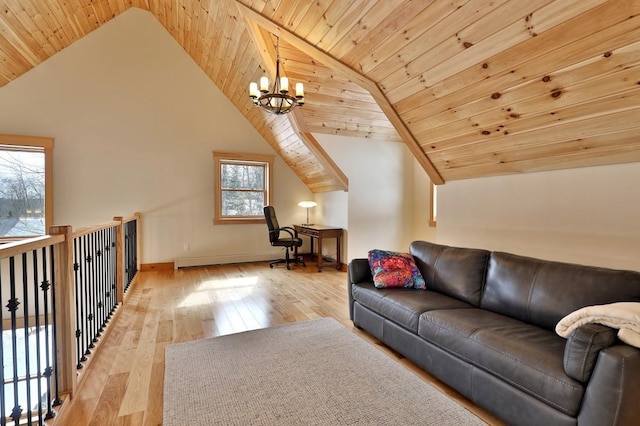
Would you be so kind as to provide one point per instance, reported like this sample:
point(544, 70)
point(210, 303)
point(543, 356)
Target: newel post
point(119, 259)
point(65, 310)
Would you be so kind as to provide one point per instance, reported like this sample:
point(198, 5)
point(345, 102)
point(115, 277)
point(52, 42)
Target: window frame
point(432, 205)
point(220, 158)
point(47, 145)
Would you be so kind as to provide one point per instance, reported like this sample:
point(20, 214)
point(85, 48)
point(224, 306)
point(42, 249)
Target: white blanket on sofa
point(625, 316)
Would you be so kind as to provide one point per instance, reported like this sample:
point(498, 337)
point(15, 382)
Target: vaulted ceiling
point(473, 87)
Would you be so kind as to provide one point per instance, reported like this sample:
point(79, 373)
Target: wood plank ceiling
point(473, 87)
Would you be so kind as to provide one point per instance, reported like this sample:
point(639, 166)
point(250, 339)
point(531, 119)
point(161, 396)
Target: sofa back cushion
point(456, 272)
point(542, 292)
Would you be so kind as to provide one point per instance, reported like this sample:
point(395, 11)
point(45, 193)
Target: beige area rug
point(308, 373)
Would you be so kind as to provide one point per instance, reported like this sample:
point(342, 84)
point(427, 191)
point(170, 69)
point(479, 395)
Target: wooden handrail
point(89, 230)
point(18, 247)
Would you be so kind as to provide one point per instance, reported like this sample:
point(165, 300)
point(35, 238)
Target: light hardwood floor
point(123, 383)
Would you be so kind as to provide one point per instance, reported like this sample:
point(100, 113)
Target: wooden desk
point(319, 232)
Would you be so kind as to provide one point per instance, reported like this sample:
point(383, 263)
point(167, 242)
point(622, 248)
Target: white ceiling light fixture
point(278, 101)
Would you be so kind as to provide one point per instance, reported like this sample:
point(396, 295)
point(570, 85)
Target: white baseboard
point(220, 259)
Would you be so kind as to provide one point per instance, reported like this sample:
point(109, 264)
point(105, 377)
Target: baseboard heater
point(220, 259)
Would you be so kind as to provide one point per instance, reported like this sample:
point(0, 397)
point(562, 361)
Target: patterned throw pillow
point(394, 269)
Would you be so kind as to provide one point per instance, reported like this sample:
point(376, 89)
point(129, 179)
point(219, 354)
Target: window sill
point(239, 221)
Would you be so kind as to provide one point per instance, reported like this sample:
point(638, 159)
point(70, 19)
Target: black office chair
point(290, 241)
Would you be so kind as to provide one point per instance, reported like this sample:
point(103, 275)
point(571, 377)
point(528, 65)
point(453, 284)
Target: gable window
point(242, 185)
point(26, 205)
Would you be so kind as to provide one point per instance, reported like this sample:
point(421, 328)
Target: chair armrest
point(293, 234)
point(291, 231)
point(582, 349)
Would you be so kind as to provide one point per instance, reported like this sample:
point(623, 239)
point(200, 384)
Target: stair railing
point(58, 294)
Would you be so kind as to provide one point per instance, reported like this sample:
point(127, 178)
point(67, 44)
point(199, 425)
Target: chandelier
point(278, 101)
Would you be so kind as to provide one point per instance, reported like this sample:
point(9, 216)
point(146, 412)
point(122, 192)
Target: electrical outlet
point(185, 247)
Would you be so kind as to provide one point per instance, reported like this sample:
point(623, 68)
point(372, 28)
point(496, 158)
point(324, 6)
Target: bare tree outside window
point(242, 189)
point(22, 192)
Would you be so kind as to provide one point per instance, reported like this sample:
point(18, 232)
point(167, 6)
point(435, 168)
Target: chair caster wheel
point(271, 266)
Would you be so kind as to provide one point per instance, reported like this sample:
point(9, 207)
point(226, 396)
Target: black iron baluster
point(134, 249)
point(85, 298)
point(57, 401)
point(45, 286)
point(103, 301)
point(3, 408)
point(107, 283)
point(87, 304)
point(114, 279)
point(94, 295)
point(131, 245)
point(78, 299)
point(114, 269)
point(36, 308)
point(126, 257)
point(96, 286)
point(12, 305)
point(130, 255)
point(108, 291)
point(52, 273)
point(25, 318)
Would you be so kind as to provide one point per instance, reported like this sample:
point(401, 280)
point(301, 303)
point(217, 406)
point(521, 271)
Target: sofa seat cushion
point(402, 305)
point(527, 357)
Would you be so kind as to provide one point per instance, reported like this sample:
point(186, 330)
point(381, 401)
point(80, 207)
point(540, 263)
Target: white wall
point(380, 206)
point(421, 205)
point(135, 122)
point(333, 210)
point(587, 215)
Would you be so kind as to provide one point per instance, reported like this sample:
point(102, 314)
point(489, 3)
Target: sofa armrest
point(582, 349)
point(613, 392)
point(358, 271)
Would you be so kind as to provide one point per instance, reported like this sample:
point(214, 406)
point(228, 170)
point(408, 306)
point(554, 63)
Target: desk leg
point(311, 242)
point(338, 244)
point(320, 254)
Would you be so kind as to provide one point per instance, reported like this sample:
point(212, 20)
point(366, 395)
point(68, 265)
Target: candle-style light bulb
point(284, 85)
point(253, 90)
point(264, 84)
point(299, 90)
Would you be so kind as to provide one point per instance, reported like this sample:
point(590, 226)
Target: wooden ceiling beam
point(268, 54)
point(297, 122)
point(371, 86)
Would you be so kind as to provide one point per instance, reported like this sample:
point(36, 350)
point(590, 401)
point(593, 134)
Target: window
point(26, 204)
point(242, 187)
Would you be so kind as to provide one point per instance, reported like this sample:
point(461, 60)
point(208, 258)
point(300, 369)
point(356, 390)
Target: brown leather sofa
point(485, 326)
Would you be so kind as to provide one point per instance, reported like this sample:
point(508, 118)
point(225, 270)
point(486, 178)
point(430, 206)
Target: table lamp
point(307, 205)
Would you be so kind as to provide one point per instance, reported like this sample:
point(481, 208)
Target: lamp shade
point(307, 204)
